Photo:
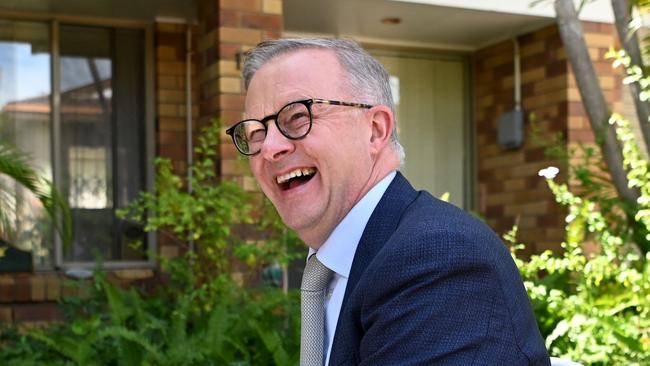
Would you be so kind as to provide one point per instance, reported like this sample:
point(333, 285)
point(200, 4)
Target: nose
point(275, 144)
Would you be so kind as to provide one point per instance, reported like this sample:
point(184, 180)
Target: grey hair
point(367, 78)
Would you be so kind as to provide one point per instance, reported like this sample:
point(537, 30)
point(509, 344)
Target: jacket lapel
point(381, 225)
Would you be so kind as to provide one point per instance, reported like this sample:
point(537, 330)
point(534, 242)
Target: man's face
point(334, 159)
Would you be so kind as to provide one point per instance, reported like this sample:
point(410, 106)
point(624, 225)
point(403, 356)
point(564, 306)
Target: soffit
point(424, 24)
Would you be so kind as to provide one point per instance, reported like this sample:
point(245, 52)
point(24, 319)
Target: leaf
point(560, 329)
point(15, 165)
point(134, 338)
point(273, 343)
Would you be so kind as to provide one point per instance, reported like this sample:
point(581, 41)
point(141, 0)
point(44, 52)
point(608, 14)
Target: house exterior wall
point(509, 190)
point(170, 85)
point(226, 29)
point(171, 102)
point(599, 37)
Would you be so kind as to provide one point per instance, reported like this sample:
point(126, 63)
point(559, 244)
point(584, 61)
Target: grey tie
point(312, 310)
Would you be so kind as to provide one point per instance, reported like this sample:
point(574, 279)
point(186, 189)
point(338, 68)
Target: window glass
point(25, 123)
point(102, 144)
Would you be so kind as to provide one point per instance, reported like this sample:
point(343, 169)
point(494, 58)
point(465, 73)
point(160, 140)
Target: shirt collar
point(338, 250)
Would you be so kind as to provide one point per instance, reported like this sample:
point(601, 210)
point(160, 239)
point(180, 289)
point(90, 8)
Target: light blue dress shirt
point(338, 251)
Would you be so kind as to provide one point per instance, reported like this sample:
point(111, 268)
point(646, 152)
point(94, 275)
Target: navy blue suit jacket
point(431, 285)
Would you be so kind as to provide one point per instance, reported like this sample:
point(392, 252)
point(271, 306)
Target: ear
point(381, 124)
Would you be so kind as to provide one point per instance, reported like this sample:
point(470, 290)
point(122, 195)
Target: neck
point(379, 171)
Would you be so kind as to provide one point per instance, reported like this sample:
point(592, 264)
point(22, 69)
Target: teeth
point(295, 173)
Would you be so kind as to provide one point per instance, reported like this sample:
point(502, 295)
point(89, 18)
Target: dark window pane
point(129, 129)
point(101, 137)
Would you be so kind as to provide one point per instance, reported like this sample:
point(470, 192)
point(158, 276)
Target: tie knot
point(316, 275)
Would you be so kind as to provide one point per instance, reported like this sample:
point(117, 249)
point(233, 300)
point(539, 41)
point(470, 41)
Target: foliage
point(210, 216)
point(592, 301)
point(15, 165)
point(591, 180)
point(590, 307)
point(113, 326)
point(214, 308)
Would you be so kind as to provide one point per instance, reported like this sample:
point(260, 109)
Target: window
point(85, 131)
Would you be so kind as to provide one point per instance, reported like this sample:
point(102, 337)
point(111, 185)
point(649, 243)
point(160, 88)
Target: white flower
point(549, 173)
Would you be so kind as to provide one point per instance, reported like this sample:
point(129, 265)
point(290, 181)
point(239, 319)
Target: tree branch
point(592, 96)
point(630, 43)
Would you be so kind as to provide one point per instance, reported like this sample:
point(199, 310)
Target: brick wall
point(599, 37)
point(170, 89)
point(31, 299)
point(226, 29)
point(229, 28)
point(509, 189)
point(171, 103)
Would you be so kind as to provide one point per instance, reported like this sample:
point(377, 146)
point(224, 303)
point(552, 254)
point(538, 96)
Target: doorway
point(431, 97)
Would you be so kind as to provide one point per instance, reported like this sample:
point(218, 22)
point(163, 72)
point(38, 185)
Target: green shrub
point(209, 215)
point(214, 309)
point(123, 327)
point(592, 301)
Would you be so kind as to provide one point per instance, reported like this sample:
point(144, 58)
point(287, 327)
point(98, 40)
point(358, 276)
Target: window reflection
point(25, 120)
point(100, 147)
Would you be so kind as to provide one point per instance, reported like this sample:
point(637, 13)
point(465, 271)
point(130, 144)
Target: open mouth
point(295, 178)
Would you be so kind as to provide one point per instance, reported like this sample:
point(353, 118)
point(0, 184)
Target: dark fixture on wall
point(510, 126)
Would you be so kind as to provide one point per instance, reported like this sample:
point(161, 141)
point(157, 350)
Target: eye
point(294, 119)
point(299, 117)
point(257, 135)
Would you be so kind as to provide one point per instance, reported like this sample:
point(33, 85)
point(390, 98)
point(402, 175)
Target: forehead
point(302, 74)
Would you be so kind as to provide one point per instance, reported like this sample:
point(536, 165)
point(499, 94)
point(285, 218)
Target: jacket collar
point(380, 227)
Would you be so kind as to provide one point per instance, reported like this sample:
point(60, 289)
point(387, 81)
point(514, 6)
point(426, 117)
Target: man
point(410, 280)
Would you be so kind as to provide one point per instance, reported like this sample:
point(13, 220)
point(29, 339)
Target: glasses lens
point(294, 120)
point(249, 136)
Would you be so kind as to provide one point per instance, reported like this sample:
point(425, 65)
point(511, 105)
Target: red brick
point(6, 314)
point(555, 68)
point(174, 152)
point(262, 21)
point(533, 62)
point(171, 138)
point(228, 151)
point(23, 289)
point(494, 211)
point(7, 286)
point(228, 51)
point(242, 5)
point(581, 136)
point(551, 220)
point(37, 312)
point(232, 101)
point(171, 39)
point(589, 27)
point(53, 283)
point(535, 154)
point(271, 34)
point(172, 124)
point(576, 109)
point(230, 18)
point(546, 33)
point(167, 28)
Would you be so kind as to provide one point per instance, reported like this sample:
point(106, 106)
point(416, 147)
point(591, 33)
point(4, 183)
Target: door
point(431, 97)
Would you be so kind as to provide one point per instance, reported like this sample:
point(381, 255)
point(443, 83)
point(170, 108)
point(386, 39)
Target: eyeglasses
point(294, 121)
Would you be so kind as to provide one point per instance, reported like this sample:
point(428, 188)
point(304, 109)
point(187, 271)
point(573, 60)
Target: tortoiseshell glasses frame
point(294, 121)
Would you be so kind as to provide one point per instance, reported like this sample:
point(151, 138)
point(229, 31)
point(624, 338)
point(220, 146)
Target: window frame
point(55, 21)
